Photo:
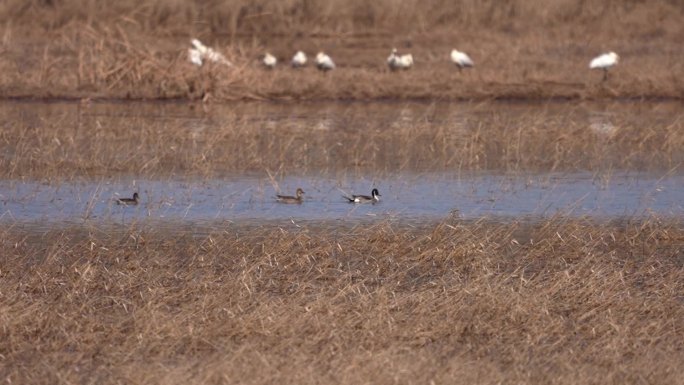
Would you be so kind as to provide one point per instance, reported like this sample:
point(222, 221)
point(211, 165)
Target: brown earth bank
point(562, 301)
point(522, 49)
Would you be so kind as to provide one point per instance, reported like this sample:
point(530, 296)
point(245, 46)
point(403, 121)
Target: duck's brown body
point(290, 199)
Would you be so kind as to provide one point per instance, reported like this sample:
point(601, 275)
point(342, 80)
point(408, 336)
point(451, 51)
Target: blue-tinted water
point(406, 196)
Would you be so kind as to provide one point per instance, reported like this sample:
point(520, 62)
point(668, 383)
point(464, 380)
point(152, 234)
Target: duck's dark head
point(136, 196)
point(375, 193)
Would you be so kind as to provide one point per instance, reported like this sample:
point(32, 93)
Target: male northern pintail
point(290, 199)
point(375, 197)
point(129, 201)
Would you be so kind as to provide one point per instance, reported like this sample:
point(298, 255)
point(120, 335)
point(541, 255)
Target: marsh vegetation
point(189, 286)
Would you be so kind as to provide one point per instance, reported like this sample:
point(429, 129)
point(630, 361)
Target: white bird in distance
point(324, 62)
point(461, 59)
point(399, 62)
point(269, 61)
point(299, 60)
point(603, 62)
point(200, 52)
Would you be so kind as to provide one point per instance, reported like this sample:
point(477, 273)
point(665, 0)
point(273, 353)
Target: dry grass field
point(562, 302)
point(523, 50)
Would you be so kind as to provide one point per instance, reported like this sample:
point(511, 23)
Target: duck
point(461, 59)
point(299, 60)
point(129, 201)
point(290, 199)
point(603, 62)
point(324, 62)
point(375, 197)
point(399, 62)
point(269, 61)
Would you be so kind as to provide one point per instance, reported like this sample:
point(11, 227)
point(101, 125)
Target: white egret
point(603, 62)
point(199, 46)
point(299, 59)
point(324, 62)
point(399, 62)
point(269, 61)
point(461, 59)
point(205, 53)
point(195, 56)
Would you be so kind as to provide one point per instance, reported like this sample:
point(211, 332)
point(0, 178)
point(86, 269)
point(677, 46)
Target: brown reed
point(562, 301)
point(68, 140)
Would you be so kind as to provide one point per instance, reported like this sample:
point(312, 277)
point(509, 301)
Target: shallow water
point(420, 177)
point(415, 197)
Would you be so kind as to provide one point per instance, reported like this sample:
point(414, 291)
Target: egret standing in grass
point(399, 62)
point(202, 52)
point(603, 62)
point(269, 61)
point(299, 60)
point(199, 46)
point(195, 56)
point(324, 62)
point(461, 59)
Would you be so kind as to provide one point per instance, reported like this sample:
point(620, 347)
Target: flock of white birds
point(199, 53)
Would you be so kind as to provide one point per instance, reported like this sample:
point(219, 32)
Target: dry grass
point(72, 140)
point(562, 302)
point(522, 50)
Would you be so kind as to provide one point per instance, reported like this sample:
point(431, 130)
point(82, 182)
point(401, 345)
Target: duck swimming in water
point(290, 199)
point(129, 201)
point(373, 198)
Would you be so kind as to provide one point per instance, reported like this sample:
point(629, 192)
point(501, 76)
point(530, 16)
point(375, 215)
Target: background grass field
point(522, 50)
